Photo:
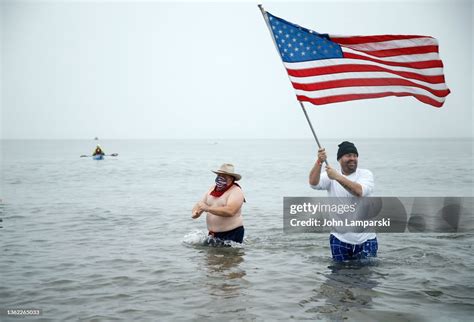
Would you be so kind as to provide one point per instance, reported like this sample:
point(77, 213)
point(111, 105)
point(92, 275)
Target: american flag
point(326, 69)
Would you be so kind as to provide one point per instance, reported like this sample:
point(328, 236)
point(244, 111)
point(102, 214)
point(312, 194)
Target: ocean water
point(114, 239)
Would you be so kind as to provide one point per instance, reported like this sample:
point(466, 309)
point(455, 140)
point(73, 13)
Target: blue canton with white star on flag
point(298, 44)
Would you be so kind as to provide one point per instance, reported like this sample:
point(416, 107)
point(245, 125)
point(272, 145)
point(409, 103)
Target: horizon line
point(223, 139)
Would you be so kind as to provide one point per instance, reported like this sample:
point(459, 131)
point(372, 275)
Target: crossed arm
point(234, 203)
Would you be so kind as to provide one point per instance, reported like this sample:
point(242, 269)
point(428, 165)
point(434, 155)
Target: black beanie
point(345, 148)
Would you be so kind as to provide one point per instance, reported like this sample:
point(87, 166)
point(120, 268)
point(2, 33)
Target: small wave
point(454, 236)
point(355, 264)
point(14, 217)
point(60, 282)
point(216, 242)
point(201, 238)
point(433, 293)
point(195, 237)
point(114, 297)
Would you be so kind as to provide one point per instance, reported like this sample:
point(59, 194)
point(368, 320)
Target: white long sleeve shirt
point(363, 177)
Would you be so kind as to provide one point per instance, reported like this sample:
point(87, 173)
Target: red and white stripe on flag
point(373, 67)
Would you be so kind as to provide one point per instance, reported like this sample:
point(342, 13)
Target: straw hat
point(228, 169)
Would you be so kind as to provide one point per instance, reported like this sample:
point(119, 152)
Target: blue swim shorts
point(235, 235)
point(344, 251)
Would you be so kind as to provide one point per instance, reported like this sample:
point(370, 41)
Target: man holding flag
point(326, 69)
point(349, 181)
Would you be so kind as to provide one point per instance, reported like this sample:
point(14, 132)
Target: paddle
point(105, 155)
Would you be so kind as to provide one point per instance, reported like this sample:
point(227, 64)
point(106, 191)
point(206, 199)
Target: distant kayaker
point(349, 181)
point(98, 151)
point(223, 204)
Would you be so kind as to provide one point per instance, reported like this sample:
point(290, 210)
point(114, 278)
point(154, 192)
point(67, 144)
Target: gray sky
point(209, 70)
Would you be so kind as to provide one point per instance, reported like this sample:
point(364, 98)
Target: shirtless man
point(223, 203)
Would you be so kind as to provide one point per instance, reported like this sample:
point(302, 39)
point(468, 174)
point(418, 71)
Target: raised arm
point(315, 174)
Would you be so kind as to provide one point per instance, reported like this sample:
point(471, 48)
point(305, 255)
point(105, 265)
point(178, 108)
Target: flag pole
point(310, 125)
point(265, 17)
